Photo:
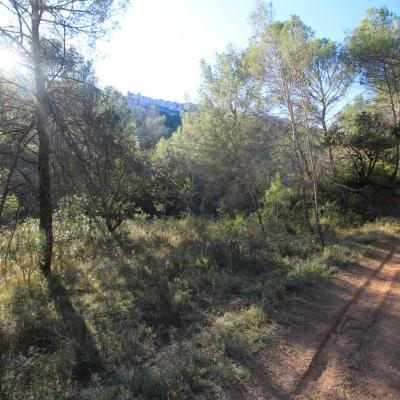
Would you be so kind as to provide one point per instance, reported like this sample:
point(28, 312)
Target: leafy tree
point(32, 28)
point(276, 204)
point(374, 51)
point(366, 138)
point(282, 54)
point(150, 126)
point(171, 183)
point(225, 141)
point(106, 171)
point(328, 79)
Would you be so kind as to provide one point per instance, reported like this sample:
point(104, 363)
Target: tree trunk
point(326, 134)
point(394, 114)
point(295, 145)
point(7, 185)
point(397, 162)
point(45, 201)
point(313, 172)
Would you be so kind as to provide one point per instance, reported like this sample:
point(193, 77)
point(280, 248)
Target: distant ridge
point(171, 110)
point(138, 99)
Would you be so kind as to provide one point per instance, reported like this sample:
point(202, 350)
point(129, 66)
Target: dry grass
point(175, 308)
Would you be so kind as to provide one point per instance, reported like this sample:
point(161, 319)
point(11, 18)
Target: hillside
point(169, 109)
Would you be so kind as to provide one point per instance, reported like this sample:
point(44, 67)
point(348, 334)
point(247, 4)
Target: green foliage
point(11, 206)
point(366, 137)
point(101, 391)
point(36, 374)
point(185, 370)
point(300, 278)
point(308, 274)
point(111, 184)
point(277, 205)
point(225, 144)
point(337, 218)
point(366, 130)
point(21, 252)
point(374, 48)
point(198, 366)
point(37, 359)
point(171, 186)
point(242, 334)
point(233, 227)
point(150, 126)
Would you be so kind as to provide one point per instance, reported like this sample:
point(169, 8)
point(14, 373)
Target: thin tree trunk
point(317, 211)
point(256, 204)
point(295, 145)
point(313, 172)
point(397, 162)
point(6, 188)
point(45, 201)
point(331, 160)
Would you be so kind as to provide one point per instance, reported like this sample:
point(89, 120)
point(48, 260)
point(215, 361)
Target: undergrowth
point(175, 308)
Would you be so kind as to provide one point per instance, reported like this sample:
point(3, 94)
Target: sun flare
point(9, 60)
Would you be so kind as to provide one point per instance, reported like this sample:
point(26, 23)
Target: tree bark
point(296, 145)
point(45, 201)
point(6, 188)
point(326, 134)
point(397, 162)
point(313, 171)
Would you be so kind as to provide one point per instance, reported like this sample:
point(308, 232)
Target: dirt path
point(341, 344)
point(359, 356)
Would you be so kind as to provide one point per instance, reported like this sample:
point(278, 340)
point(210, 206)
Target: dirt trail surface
point(357, 358)
point(344, 343)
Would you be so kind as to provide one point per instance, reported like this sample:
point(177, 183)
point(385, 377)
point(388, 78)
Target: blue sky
point(159, 44)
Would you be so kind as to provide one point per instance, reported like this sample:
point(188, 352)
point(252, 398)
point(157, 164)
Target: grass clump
point(308, 274)
point(98, 390)
point(185, 370)
point(243, 333)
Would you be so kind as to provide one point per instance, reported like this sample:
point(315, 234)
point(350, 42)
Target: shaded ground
point(340, 343)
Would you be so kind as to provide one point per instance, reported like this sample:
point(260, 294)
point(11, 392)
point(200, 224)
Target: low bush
point(307, 274)
point(242, 334)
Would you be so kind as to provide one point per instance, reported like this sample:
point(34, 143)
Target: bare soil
point(340, 343)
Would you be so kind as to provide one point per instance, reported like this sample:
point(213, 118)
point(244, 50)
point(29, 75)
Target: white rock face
point(138, 99)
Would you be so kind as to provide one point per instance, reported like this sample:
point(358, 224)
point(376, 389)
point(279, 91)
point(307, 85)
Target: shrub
point(307, 274)
point(11, 207)
point(337, 218)
point(303, 276)
point(183, 371)
point(102, 391)
point(28, 315)
point(21, 253)
point(242, 334)
point(276, 206)
point(37, 374)
point(191, 368)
